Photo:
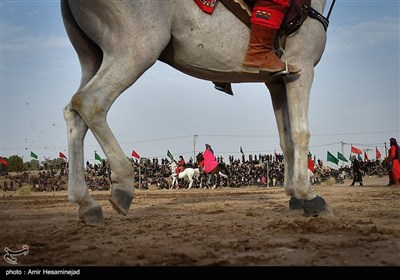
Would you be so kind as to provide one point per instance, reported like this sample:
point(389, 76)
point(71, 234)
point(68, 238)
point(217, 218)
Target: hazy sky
point(355, 96)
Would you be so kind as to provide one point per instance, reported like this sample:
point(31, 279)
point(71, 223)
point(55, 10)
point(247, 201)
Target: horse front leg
point(173, 182)
point(279, 102)
point(291, 112)
point(89, 209)
point(298, 92)
point(93, 102)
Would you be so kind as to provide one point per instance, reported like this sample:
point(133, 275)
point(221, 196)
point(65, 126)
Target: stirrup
point(286, 70)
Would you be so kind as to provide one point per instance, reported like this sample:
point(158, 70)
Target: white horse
point(117, 41)
point(311, 177)
point(188, 173)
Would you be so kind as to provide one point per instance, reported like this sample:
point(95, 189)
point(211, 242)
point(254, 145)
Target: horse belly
point(203, 44)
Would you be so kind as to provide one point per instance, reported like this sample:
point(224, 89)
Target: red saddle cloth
point(206, 5)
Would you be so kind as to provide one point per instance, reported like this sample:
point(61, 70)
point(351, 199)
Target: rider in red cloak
point(210, 161)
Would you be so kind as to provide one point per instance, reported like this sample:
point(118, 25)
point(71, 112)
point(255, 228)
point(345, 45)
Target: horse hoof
point(92, 215)
point(296, 204)
point(120, 200)
point(314, 207)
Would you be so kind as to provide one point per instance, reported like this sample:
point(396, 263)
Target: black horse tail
point(223, 168)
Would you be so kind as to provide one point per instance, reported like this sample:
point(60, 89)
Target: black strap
point(316, 15)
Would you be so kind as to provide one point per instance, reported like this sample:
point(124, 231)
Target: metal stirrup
point(286, 70)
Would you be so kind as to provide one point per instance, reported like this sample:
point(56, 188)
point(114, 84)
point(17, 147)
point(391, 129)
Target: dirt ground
point(248, 226)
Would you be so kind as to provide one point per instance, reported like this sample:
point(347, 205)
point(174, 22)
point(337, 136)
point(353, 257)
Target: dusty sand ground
point(224, 227)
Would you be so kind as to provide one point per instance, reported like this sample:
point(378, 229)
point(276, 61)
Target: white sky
point(355, 96)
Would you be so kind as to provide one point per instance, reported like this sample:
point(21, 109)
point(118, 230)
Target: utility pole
point(386, 151)
point(342, 151)
point(194, 147)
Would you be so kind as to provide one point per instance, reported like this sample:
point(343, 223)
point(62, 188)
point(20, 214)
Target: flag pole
point(342, 150)
point(194, 147)
point(386, 151)
point(268, 173)
point(140, 176)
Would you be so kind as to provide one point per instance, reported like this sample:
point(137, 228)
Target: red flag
point(3, 161)
point(355, 150)
point(378, 154)
point(134, 154)
point(61, 155)
point(311, 164)
point(365, 155)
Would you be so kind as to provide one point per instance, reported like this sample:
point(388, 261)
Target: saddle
point(294, 18)
point(297, 13)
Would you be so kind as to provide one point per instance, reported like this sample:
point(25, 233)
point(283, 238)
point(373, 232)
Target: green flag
point(96, 156)
point(34, 155)
point(170, 155)
point(309, 154)
point(241, 150)
point(332, 158)
point(359, 157)
point(341, 157)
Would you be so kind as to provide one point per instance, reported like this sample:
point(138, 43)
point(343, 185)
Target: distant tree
point(33, 164)
point(15, 163)
point(50, 164)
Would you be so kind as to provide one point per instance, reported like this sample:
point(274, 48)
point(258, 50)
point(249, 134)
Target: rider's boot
point(265, 22)
point(260, 55)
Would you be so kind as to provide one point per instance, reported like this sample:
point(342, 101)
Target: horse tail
point(223, 169)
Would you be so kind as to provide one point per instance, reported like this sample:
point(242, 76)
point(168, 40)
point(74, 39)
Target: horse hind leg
point(93, 102)
point(89, 210)
point(215, 181)
point(124, 60)
point(190, 183)
point(90, 57)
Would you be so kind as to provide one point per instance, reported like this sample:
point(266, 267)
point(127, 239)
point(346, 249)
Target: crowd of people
point(264, 170)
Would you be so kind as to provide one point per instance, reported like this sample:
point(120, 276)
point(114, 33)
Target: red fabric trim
point(207, 5)
point(283, 3)
point(267, 17)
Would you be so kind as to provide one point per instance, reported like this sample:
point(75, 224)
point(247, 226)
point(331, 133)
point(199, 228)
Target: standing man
point(357, 177)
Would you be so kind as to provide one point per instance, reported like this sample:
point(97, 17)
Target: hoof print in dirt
point(296, 204)
point(120, 200)
point(314, 207)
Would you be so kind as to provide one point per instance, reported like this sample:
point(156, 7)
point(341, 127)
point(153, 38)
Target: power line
point(358, 133)
point(380, 145)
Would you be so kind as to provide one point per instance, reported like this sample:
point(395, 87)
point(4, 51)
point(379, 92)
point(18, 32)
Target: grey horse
point(117, 41)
